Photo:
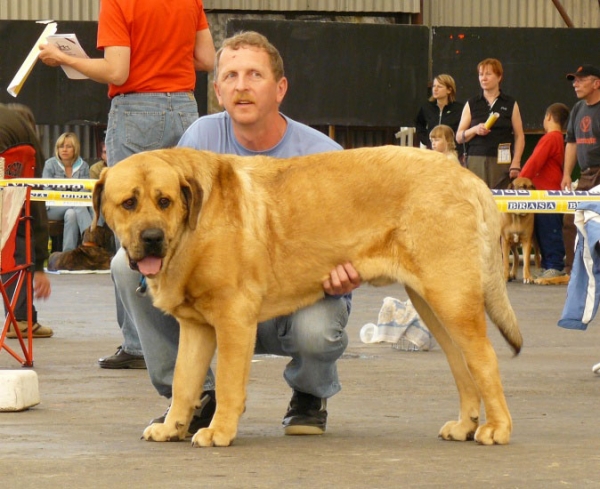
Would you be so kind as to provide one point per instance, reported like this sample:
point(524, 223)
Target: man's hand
point(343, 279)
point(50, 55)
point(566, 183)
point(41, 285)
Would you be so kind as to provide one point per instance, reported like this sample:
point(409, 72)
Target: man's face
point(585, 85)
point(245, 85)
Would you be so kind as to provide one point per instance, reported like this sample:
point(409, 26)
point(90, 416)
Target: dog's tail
point(497, 304)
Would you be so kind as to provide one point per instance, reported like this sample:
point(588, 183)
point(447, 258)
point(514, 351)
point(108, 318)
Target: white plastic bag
point(398, 323)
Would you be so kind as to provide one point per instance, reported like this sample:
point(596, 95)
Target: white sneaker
point(596, 368)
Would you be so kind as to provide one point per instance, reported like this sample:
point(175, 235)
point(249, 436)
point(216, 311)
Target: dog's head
point(521, 183)
point(149, 200)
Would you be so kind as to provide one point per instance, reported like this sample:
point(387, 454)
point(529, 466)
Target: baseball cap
point(583, 71)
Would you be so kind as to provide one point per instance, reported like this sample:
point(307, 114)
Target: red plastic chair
point(19, 162)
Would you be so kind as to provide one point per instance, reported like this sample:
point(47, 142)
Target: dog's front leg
point(526, 246)
point(235, 344)
point(196, 349)
point(505, 257)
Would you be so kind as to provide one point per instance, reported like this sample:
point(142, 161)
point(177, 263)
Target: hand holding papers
point(69, 44)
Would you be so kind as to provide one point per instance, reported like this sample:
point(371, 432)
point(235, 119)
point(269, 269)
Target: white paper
point(69, 44)
point(17, 82)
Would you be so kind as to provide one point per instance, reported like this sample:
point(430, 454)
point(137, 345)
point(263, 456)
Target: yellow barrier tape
point(541, 201)
point(71, 184)
point(56, 197)
point(56, 191)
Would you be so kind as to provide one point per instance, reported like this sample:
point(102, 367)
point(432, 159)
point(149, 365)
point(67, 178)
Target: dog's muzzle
point(153, 243)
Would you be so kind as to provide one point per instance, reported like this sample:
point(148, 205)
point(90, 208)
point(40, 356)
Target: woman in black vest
point(441, 108)
point(494, 152)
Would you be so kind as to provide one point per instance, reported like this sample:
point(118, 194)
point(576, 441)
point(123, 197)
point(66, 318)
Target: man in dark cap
point(583, 147)
point(583, 129)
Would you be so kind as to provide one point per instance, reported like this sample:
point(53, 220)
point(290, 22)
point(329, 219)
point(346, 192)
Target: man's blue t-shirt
point(215, 133)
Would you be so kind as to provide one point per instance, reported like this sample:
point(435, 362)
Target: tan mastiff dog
point(228, 241)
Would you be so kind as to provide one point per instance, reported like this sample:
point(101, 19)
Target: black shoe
point(122, 359)
point(202, 416)
point(306, 415)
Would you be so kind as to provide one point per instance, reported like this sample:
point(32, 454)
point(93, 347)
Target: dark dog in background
point(94, 253)
point(517, 229)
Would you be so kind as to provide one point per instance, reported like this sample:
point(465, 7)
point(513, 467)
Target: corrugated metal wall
point(510, 13)
point(88, 9)
point(498, 13)
point(49, 9)
point(340, 6)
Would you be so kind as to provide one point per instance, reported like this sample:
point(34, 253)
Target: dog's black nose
point(153, 240)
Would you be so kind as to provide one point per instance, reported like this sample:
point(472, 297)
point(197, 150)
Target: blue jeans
point(549, 235)
point(314, 337)
point(143, 122)
point(76, 221)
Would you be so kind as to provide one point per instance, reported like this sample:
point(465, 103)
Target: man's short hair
point(253, 39)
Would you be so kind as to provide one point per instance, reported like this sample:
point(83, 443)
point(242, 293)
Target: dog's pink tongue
point(150, 265)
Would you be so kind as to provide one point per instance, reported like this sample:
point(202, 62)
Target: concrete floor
point(382, 430)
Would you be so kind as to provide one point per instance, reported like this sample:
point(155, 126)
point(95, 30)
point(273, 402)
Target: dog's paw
point(527, 280)
point(458, 430)
point(161, 432)
point(489, 434)
point(207, 437)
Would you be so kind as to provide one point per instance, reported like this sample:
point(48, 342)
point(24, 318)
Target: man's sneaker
point(552, 273)
point(122, 359)
point(552, 276)
point(202, 415)
point(306, 415)
point(37, 330)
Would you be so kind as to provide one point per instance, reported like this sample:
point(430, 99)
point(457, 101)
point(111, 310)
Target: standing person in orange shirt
point(152, 50)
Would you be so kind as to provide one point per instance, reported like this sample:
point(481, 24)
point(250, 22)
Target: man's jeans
point(143, 122)
point(314, 337)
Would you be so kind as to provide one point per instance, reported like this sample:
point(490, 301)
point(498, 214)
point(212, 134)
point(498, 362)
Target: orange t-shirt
point(161, 35)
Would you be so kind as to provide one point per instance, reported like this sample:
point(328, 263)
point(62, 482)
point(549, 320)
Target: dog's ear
point(97, 198)
point(192, 196)
point(511, 186)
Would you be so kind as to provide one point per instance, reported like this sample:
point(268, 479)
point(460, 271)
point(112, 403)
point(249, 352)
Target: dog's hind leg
point(470, 403)
point(196, 349)
point(459, 311)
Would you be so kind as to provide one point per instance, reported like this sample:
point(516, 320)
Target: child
point(442, 141)
point(545, 169)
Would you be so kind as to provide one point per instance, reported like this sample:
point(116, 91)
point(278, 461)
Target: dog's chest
point(517, 227)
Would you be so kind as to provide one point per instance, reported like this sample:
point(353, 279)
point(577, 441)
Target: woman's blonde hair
point(61, 140)
point(444, 132)
point(450, 85)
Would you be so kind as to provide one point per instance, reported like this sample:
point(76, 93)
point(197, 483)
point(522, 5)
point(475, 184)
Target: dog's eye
point(163, 202)
point(129, 204)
